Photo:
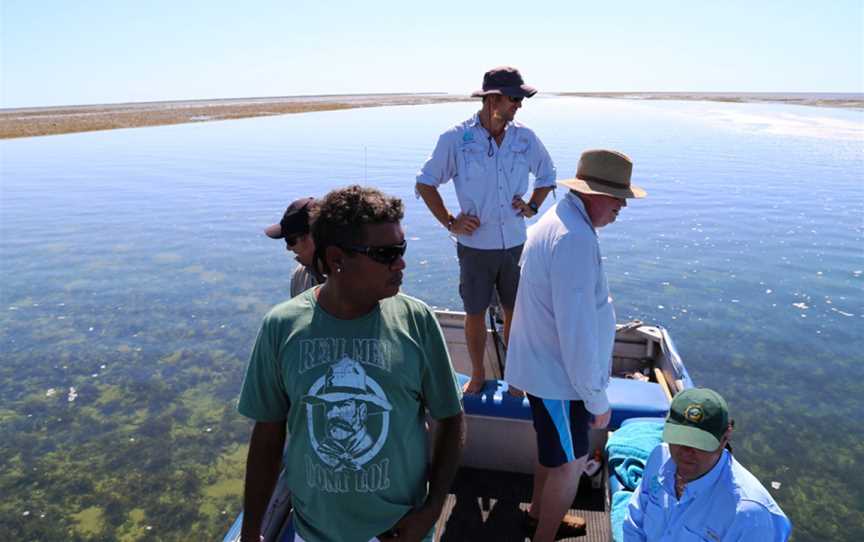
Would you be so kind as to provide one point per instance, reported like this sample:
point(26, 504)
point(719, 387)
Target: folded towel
point(629, 447)
point(620, 500)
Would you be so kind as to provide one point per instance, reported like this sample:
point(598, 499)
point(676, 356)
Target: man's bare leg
point(508, 319)
point(541, 473)
point(475, 339)
point(559, 490)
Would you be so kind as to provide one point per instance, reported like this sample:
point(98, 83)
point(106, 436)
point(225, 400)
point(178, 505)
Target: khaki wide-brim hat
point(606, 173)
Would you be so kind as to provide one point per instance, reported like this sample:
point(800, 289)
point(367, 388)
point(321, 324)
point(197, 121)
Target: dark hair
point(340, 216)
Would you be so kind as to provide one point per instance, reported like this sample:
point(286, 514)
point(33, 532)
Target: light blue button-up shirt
point(726, 504)
point(563, 327)
point(486, 185)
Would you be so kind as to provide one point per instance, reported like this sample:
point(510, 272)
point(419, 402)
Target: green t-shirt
point(354, 393)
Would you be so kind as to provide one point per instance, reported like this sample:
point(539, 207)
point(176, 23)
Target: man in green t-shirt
point(351, 367)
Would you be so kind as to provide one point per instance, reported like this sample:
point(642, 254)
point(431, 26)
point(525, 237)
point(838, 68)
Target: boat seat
point(494, 401)
point(628, 398)
point(635, 399)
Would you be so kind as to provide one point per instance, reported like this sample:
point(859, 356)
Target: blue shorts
point(562, 430)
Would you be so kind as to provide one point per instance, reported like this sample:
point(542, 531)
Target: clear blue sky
point(100, 51)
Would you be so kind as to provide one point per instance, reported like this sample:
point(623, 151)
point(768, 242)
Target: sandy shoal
point(28, 122)
point(839, 100)
point(40, 121)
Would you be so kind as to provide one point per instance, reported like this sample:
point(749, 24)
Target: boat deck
point(487, 505)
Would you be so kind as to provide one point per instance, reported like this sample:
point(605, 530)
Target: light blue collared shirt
point(726, 504)
point(563, 327)
point(486, 185)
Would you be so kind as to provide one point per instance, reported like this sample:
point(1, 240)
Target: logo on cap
point(693, 413)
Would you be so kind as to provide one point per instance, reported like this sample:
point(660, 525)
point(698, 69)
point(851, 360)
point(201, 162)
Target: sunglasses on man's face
point(387, 254)
point(515, 99)
point(291, 241)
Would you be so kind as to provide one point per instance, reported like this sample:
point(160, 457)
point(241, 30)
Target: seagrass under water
point(135, 274)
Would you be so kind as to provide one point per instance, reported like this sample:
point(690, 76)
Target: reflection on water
point(135, 273)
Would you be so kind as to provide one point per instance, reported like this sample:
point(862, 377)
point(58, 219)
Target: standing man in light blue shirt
point(563, 333)
point(488, 157)
point(693, 489)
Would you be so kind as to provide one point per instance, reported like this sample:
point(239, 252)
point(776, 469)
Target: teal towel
point(628, 450)
point(620, 501)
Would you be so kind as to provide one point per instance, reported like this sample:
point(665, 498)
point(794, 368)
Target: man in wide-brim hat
point(488, 157)
point(560, 349)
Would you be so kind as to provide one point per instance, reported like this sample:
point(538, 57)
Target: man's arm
point(753, 522)
point(573, 277)
point(432, 199)
point(633, 519)
point(447, 450)
point(537, 198)
point(262, 471)
point(438, 169)
point(641, 515)
point(462, 224)
point(541, 165)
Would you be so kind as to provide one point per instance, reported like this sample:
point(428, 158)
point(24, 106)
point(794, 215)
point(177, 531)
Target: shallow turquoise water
point(135, 271)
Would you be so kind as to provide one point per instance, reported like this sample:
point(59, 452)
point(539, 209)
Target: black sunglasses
point(515, 99)
point(387, 254)
point(291, 241)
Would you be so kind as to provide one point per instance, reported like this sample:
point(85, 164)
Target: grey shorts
point(482, 271)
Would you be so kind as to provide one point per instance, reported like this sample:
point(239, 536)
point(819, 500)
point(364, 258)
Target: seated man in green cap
point(693, 489)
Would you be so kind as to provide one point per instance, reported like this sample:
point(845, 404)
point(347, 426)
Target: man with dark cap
point(692, 488)
point(488, 157)
point(294, 228)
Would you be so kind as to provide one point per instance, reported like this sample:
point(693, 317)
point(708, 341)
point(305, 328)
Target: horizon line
point(575, 93)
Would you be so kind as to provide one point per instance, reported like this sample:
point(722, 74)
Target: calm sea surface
point(135, 273)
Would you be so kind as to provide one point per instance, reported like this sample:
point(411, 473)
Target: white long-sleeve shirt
point(563, 327)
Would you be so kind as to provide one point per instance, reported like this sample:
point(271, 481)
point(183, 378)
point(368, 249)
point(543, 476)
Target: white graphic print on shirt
point(348, 420)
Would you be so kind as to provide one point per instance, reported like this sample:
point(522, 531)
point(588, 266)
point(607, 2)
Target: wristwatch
point(533, 206)
point(451, 220)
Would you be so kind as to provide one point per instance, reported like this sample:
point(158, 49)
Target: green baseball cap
point(698, 418)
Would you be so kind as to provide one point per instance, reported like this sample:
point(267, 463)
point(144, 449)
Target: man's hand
point(262, 470)
point(465, 224)
point(413, 526)
point(514, 391)
point(447, 447)
point(523, 209)
point(600, 421)
point(462, 225)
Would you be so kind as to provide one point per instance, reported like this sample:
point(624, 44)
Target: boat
point(493, 484)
